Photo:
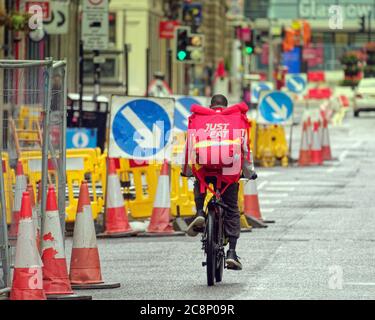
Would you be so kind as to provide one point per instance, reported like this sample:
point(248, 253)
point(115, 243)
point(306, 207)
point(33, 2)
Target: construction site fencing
point(32, 145)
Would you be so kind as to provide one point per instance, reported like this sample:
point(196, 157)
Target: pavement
point(321, 246)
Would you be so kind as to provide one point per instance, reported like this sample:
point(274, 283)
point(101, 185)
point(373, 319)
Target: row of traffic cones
point(40, 276)
point(315, 142)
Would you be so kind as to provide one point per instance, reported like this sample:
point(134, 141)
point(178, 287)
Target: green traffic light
point(249, 50)
point(181, 55)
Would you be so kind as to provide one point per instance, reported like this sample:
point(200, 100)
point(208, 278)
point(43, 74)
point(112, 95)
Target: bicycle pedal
point(204, 264)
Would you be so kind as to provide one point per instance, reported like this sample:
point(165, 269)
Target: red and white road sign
point(45, 5)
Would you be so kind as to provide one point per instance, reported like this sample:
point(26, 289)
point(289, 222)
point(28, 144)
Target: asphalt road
point(321, 246)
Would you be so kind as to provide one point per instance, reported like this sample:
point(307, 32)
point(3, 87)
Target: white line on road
point(267, 210)
point(280, 189)
point(342, 157)
point(360, 283)
point(261, 185)
point(262, 202)
point(274, 195)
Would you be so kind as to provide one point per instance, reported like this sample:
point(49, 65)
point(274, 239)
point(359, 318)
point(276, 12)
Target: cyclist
point(230, 197)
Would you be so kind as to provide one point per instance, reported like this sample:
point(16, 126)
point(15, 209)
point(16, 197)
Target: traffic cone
point(160, 218)
point(316, 148)
point(85, 271)
point(27, 276)
point(20, 188)
point(304, 153)
point(116, 217)
point(326, 146)
point(309, 131)
point(30, 190)
point(55, 271)
point(251, 205)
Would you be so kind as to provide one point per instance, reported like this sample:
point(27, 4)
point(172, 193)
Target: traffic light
point(363, 24)
point(182, 44)
point(249, 47)
point(189, 47)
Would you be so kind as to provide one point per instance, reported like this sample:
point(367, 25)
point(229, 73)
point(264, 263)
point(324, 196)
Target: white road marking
point(280, 189)
point(342, 157)
point(261, 185)
point(370, 284)
point(267, 210)
point(262, 202)
point(274, 195)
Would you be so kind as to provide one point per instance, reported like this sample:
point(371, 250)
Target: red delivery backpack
point(215, 141)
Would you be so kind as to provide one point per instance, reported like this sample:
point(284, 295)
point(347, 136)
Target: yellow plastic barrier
point(144, 180)
point(271, 145)
point(182, 194)
point(80, 165)
point(9, 180)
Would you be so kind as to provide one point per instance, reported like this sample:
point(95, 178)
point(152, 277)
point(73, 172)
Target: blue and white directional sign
point(79, 138)
point(275, 107)
point(257, 88)
point(182, 110)
point(296, 83)
point(141, 128)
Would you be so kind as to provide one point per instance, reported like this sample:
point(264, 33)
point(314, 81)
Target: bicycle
point(213, 240)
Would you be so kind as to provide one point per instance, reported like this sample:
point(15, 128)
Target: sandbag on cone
point(251, 205)
point(326, 145)
point(316, 148)
point(27, 277)
point(160, 219)
point(30, 190)
point(85, 271)
point(20, 188)
point(304, 153)
point(116, 217)
point(55, 271)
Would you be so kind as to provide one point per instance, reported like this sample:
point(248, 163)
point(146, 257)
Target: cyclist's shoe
point(198, 224)
point(232, 261)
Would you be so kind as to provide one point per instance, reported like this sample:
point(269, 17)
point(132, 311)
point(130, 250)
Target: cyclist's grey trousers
point(232, 223)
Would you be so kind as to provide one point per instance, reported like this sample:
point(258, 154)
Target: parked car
point(364, 99)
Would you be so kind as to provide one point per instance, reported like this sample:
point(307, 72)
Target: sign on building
point(95, 24)
point(59, 20)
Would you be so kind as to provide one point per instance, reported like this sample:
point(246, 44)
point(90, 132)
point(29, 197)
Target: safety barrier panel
point(9, 181)
point(81, 164)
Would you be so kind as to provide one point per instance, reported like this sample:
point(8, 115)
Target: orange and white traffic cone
point(316, 148)
point(55, 271)
point(116, 217)
point(251, 205)
point(304, 153)
point(27, 276)
point(161, 213)
point(19, 189)
point(309, 131)
point(326, 145)
point(30, 190)
point(85, 271)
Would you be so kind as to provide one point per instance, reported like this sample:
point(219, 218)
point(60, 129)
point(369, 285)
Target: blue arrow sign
point(296, 83)
point(182, 112)
point(257, 89)
point(276, 107)
point(79, 138)
point(141, 128)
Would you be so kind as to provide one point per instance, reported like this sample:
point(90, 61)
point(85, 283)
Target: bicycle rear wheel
point(220, 255)
point(211, 249)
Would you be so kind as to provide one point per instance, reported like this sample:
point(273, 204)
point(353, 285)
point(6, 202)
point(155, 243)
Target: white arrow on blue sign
point(81, 138)
point(182, 110)
point(296, 83)
point(276, 107)
point(257, 88)
point(140, 127)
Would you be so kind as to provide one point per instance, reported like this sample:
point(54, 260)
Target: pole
point(126, 64)
point(270, 53)
point(81, 62)
point(369, 26)
point(147, 69)
point(97, 79)
point(170, 67)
